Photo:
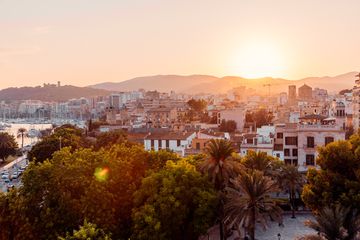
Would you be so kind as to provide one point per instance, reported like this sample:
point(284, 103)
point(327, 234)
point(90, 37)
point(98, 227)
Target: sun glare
point(257, 60)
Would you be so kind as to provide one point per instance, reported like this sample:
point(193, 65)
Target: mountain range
point(210, 84)
point(49, 93)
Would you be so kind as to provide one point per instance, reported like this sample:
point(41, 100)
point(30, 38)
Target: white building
point(174, 141)
point(262, 141)
point(299, 142)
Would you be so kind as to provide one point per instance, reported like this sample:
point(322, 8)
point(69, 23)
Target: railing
point(318, 127)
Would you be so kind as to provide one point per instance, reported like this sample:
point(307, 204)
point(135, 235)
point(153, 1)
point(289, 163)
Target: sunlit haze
point(83, 42)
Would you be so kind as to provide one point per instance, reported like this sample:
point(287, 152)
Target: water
point(13, 130)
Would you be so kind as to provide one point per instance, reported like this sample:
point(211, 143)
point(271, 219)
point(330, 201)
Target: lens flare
point(101, 174)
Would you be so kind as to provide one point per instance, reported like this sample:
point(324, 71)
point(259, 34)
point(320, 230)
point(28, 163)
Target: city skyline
point(88, 42)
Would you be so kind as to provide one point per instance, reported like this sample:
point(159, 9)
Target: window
point(250, 141)
point(167, 144)
point(328, 140)
point(278, 147)
point(310, 159)
point(287, 161)
point(295, 162)
point(291, 141)
point(178, 143)
point(278, 155)
point(197, 146)
point(279, 135)
point(152, 144)
point(295, 152)
point(310, 142)
point(160, 144)
point(287, 152)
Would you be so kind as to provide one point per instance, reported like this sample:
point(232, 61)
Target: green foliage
point(336, 222)
point(108, 139)
point(227, 126)
point(197, 105)
point(8, 145)
point(219, 164)
point(260, 161)
point(57, 195)
point(64, 136)
point(88, 231)
point(95, 125)
point(174, 203)
point(158, 159)
point(261, 117)
point(249, 202)
point(291, 181)
point(197, 109)
point(338, 181)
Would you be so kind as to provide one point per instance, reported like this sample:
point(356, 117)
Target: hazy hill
point(49, 93)
point(210, 84)
point(163, 83)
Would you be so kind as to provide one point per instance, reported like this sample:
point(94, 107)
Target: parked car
point(15, 175)
point(5, 176)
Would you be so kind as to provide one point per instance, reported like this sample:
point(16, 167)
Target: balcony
point(317, 127)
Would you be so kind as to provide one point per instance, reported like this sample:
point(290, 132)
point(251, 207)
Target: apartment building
point(299, 142)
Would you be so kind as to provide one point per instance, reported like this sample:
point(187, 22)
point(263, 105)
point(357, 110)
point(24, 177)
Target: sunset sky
point(83, 42)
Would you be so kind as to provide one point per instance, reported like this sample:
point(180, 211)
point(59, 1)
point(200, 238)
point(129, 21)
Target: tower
point(292, 95)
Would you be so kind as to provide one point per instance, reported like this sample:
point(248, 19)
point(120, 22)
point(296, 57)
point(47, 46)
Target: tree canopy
point(260, 117)
point(227, 126)
point(174, 203)
point(8, 145)
point(64, 136)
point(338, 181)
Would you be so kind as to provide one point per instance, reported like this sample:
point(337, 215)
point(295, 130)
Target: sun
point(256, 60)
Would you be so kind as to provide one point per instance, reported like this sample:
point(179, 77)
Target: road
point(12, 168)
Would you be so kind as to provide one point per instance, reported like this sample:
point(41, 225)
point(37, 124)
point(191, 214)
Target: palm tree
point(291, 180)
point(336, 223)
point(249, 202)
point(219, 163)
point(220, 166)
point(22, 132)
point(262, 162)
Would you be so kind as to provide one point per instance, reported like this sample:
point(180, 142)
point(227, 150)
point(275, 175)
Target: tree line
point(105, 187)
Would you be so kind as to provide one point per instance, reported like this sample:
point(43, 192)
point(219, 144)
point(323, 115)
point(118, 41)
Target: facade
point(262, 141)
point(177, 142)
point(313, 132)
point(305, 93)
point(162, 116)
point(202, 138)
point(320, 94)
point(282, 99)
point(299, 142)
point(236, 114)
point(292, 95)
